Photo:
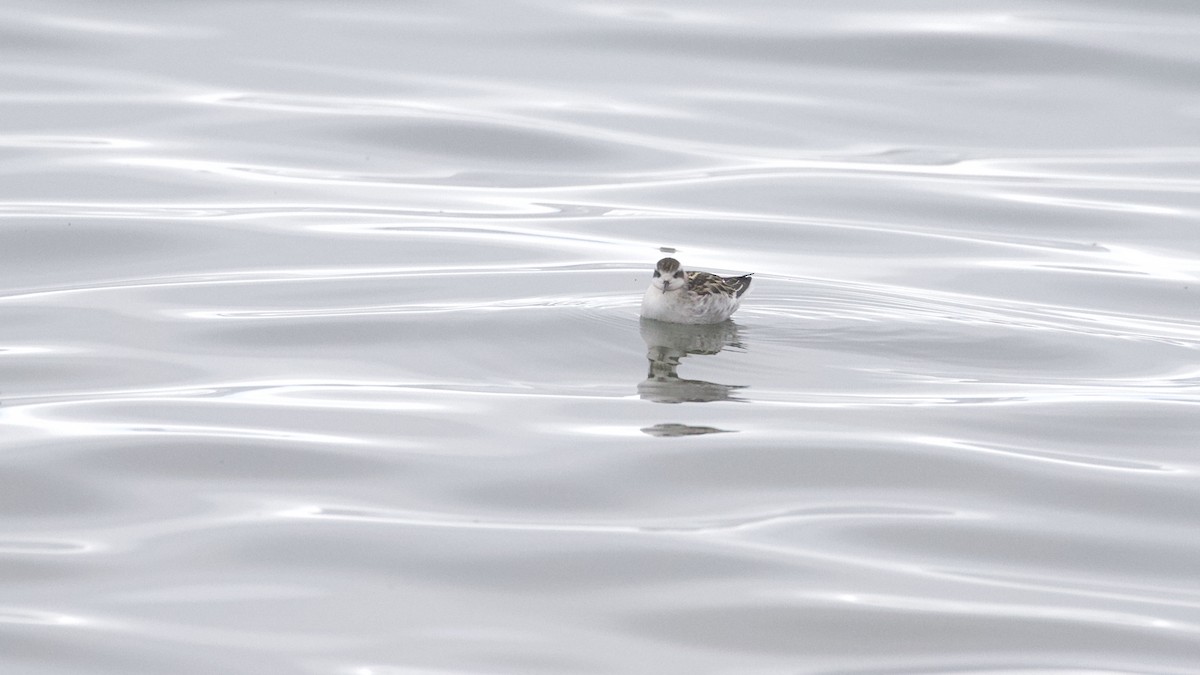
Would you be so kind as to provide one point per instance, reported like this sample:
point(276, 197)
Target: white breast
point(686, 307)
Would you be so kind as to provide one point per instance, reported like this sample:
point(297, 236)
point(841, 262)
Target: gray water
point(320, 348)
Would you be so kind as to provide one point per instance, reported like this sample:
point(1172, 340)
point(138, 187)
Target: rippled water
point(320, 349)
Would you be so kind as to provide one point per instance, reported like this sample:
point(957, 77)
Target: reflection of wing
point(703, 283)
point(690, 338)
point(676, 390)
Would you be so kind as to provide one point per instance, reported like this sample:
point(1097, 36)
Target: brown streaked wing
point(704, 283)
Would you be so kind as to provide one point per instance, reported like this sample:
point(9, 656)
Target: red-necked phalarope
point(691, 297)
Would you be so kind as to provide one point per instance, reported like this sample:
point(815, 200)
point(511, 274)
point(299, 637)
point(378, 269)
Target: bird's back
point(704, 283)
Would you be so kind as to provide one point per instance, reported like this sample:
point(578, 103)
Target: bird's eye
point(679, 275)
point(656, 273)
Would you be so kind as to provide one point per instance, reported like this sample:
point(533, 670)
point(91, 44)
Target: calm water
point(320, 353)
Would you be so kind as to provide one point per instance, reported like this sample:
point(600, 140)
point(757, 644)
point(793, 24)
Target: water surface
point(320, 349)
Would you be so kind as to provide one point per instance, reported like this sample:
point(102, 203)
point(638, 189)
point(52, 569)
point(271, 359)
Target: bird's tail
point(740, 284)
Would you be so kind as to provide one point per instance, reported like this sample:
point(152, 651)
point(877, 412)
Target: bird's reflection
point(667, 344)
point(682, 430)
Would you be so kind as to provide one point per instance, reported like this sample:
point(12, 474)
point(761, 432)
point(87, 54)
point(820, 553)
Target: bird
point(679, 296)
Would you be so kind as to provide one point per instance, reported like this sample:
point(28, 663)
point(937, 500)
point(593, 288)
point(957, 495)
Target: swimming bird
point(679, 296)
